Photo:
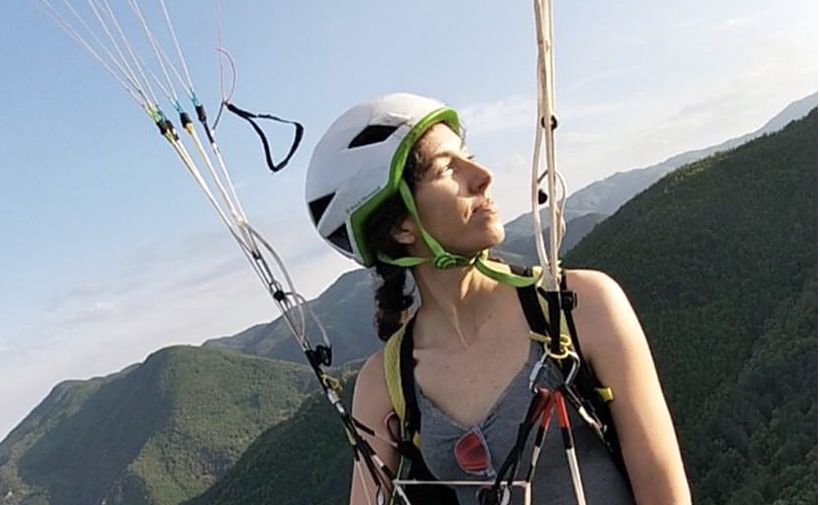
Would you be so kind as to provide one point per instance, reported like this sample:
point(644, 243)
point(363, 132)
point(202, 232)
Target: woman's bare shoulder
point(372, 407)
point(595, 282)
point(605, 319)
point(370, 396)
point(372, 372)
point(600, 297)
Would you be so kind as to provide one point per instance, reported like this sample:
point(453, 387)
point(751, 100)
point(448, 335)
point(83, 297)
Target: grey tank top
point(552, 485)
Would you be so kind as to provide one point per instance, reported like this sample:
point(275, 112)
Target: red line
point(563, 418)
point(547, 415)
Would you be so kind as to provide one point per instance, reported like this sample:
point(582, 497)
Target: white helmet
point(358, 164)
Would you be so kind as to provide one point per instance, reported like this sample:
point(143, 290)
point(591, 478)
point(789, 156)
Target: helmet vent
point(319, 206)
point(372, 134)
point(341, 239)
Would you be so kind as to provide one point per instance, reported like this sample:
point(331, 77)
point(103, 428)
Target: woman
point(392, 185)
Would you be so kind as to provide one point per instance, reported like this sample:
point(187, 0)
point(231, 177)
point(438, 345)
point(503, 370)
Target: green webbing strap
point(511, 279)
point(442, 259)
point(479, 262)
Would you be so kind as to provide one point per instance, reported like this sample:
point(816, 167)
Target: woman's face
point(453, 197)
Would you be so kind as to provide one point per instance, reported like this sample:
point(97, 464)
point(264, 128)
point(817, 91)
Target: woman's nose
point(481, 178)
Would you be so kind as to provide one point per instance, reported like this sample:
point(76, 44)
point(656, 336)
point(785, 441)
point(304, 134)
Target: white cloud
point(510, 187)
point(583, 139)
point(735, 23)
point(181, 293)
point(506, 114)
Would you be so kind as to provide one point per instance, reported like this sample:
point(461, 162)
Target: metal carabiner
point(569, 378)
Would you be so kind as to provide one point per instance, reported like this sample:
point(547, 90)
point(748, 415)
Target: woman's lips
point(486, 206)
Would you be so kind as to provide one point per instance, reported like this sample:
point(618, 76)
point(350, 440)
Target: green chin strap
point(442, 259)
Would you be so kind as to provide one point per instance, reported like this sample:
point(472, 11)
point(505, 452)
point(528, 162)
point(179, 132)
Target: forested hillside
point(157, 433)
point(305, 459)
point(720, 260)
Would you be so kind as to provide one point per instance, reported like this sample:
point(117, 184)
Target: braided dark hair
point(392, 301)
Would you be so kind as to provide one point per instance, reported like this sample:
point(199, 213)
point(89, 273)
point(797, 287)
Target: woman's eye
point(445, 170)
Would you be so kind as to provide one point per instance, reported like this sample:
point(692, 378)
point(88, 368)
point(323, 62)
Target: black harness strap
point(571, 324)
point(407, 365)
point(250, 116)
point(429, 494)
point(495, 495)
point(532, 309)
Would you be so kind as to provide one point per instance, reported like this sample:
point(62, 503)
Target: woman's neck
point(454, 301)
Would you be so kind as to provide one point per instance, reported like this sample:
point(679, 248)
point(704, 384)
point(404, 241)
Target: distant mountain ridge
point(520, 249)
point(607, 195)
point(352, 338)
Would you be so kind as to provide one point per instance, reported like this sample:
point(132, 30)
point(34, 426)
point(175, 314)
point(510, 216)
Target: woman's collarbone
point(466, 383)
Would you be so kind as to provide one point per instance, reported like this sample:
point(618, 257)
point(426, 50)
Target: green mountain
point(305, 459)
point(720, 262)
point(156, 433)
point(726, 286)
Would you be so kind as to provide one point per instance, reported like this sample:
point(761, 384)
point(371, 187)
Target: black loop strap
point(250, 116)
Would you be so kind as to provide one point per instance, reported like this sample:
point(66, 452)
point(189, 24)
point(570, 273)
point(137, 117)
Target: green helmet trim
point(359, 216)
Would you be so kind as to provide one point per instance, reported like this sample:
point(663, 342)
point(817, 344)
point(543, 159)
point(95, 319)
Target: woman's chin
point(493, 236)
point(496, 234)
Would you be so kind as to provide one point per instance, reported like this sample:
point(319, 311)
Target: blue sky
point(110, 252)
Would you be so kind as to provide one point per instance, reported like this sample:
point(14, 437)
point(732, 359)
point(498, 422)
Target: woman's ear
point(406, 232)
